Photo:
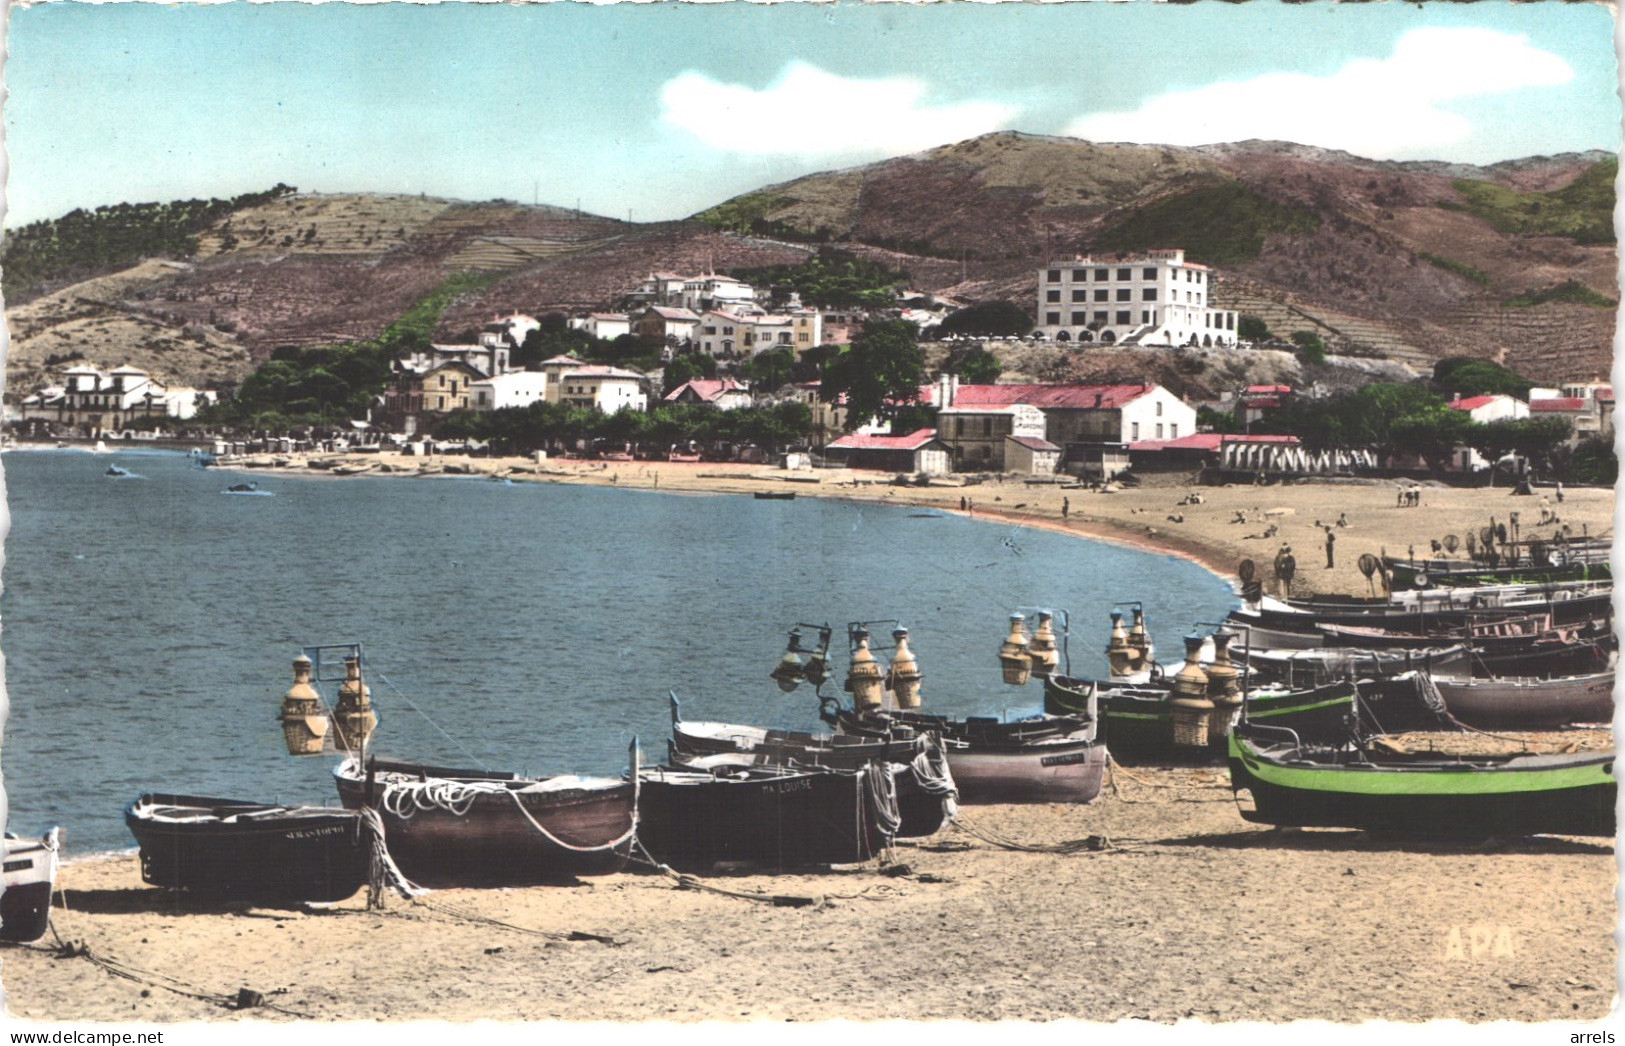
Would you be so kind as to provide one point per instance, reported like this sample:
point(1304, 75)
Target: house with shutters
point(412, 396)
point(1092, 425)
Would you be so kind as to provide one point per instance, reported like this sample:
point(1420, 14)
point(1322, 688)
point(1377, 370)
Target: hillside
point(1412, 260)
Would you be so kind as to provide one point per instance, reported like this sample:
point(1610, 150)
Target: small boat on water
point(476, 828)
point(29, 881)
point(772, 816)
point(242, 850)
point(1356, 785)
point(1529, 703)
point(774, 495)
point(116, 471)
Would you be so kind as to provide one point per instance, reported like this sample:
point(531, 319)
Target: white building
point(605, 326)
point(489, 359)
point(508, 331)
point(1155, 298)
point(702, 294)
point(519, 388)
point(606, 389)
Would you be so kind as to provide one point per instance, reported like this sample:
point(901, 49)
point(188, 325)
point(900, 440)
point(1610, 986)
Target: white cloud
point(1381, 109)
point(808, 112)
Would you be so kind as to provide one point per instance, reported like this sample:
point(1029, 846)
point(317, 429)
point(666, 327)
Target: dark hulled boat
point(29, 882)
point(235, 849)
point(472, 828)
point(771, 816)
point(1292, 784)
point(1137, 722)
point(1529, 703)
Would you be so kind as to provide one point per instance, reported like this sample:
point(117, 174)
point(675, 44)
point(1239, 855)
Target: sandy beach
point(1180, 909)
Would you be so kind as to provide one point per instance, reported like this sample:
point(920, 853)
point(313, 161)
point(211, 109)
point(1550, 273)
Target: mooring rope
point(426, 717)
point(154, 979)
point(1089, 844)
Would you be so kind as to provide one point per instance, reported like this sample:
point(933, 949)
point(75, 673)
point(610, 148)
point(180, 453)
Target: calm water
point(149, 623)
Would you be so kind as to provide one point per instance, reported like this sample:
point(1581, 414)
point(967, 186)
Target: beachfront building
point(978, 437)
point(412, 395)
point(1092, 424)
point(1589, 407)
point(721, 393)
point(519, 388)
point(916, 453)
point(99, 402)
point(604, 389)
point(1154, 298)
point(1031, 456)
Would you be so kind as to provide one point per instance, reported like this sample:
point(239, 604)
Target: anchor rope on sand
point(1114, 768)
point(1089, 844)
point(686, 881)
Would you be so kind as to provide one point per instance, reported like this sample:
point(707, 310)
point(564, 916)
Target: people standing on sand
point(1331, 539)
point(1560, 492)
point(963, 503)
point(1066, 507)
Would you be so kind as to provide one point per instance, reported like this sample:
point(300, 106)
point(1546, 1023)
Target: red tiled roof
point(709, 390)
point(913, 441)
point(1104, 397)
point(1271, 390)
point(1206, 441)
point(1472, 403)
point(1558, 403)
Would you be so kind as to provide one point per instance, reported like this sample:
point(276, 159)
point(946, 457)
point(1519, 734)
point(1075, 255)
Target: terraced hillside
point(1413, 260)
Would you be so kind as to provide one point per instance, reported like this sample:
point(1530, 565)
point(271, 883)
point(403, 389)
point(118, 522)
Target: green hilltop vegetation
point(1570, 291)
point(82, 244)
point(1478, 276)
point(1219, 225)
point(1583, 210)
point(747, 215)
point(832, 278)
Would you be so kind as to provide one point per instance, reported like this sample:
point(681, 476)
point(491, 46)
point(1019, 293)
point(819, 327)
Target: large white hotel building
point(1155, 298)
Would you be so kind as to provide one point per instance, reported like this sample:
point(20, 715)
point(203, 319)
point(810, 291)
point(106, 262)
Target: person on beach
point(1331, 539)
point(1560, 492)
point(1066, 507)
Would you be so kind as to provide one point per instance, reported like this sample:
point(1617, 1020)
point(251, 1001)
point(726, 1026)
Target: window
point(1134, 430)
point(1148, 273)
point(1100, 315)
point(1125, 294)
point(1173, 430)
point(803, 336)
point(1052, 295)
point(1145, 315)
point(1080, 274)
point(1148, 294)
point(1125, 274)
point(1123, 317)
point(1055, 276)
point(987, 426)
point(1159, 430)
point(727, 330)
point(1079, 317)
point(1159, 408)
point(1102, 294)
point(1080, 294)
point(1052, 318)
point(710, 330)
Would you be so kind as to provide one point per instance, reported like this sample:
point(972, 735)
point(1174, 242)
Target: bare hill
point(1410, 260)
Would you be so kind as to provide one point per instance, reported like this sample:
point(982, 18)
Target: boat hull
point(493, 831)
point(778, 820)
point(249, 851)
point(1529, 703)
point(1059, 771)
point(1557, 796)
point(30, 880)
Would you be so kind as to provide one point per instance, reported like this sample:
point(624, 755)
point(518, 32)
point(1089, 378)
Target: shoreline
point(1151, 517)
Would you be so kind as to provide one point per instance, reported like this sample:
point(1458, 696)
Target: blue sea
point(150, 620)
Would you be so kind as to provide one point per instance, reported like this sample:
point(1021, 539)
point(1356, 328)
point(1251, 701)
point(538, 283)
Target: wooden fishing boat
point(1467, 573)
point(454, 828)
point(250, 851)
point(1297, 668)
point(1294, 784)
point(771, 816)
point(1429, 615)
point(774, 495)
point(1137, 723)
point(1529, 703)
point(29, 881)
point(918, 764)
point(1037, 759)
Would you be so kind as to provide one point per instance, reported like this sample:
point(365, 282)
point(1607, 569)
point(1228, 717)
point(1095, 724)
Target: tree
point(1536, 439)
point(1468, 376)
point(686, 367)
point(1435, 435)
point(1210, 420)
point(878, 373)
point(1252, 328)
point(992, 319)
point(1311, 349)
point(770, 370)
point(975, 366)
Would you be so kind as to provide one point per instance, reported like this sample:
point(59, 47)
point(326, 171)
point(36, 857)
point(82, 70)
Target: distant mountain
point(1413, 260)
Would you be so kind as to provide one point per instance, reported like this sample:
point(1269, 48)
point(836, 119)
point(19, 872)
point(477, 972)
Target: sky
point(657, 110)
